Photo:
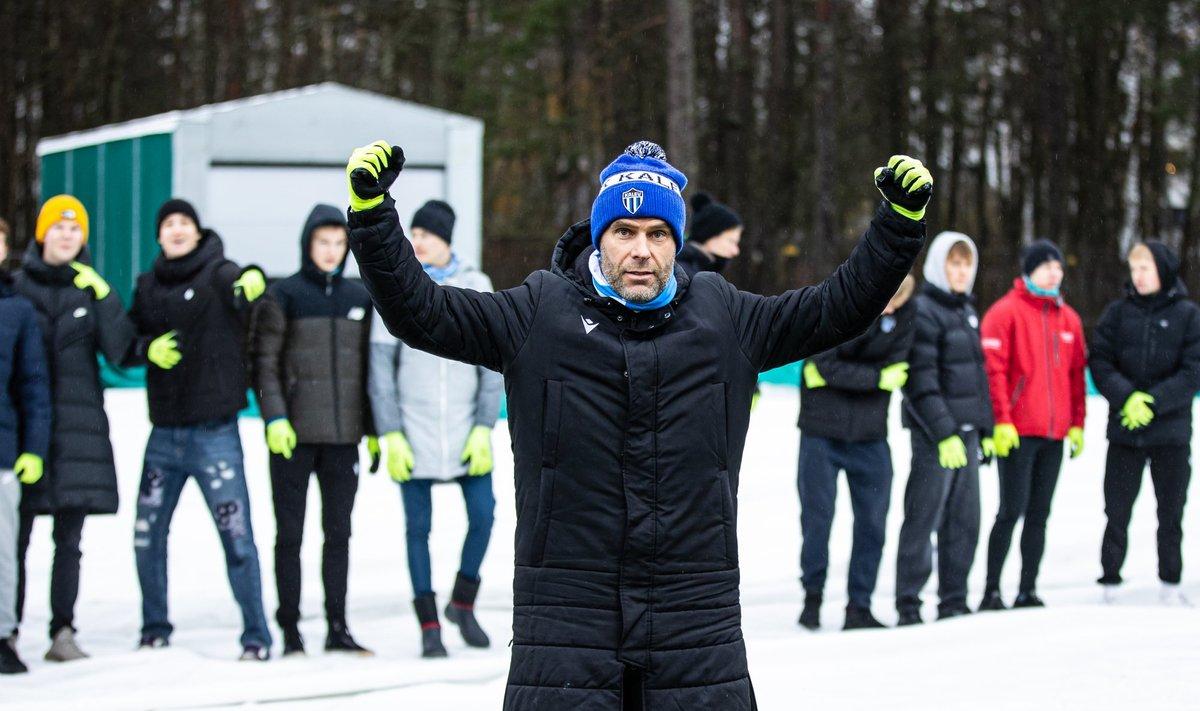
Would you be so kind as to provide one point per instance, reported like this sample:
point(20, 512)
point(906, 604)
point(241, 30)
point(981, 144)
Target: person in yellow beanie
point(62, 209)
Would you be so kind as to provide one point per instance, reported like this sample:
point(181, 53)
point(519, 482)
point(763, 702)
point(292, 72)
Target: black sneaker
point(909, 617)
point(293, 642)
point(992, 602)
point(1028, 599)
point(860, 618)
point(10, 663)
point(340, 640)
point(149, 641)
point(810, 616)
point(951, 611)
point(461, 611)
point(254, 653)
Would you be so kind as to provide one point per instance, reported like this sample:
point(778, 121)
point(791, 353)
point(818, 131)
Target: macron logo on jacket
point(588, 325)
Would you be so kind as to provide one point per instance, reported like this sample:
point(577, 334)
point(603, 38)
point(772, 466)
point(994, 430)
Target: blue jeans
point(418, 518)
point(211, 453)
point(868, 467)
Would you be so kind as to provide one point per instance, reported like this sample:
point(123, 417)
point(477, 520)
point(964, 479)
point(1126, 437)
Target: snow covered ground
point(1076, 654)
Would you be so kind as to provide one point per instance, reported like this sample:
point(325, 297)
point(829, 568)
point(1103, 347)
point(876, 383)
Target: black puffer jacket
point(24, 379)
point(79, 473)
point(311, 347)
point(627, 432)
point(1151, 344)
point(851, 407)
point(194, 296)
point(947, 389)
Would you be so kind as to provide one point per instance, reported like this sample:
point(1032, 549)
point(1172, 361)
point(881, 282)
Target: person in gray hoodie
point(436, 418)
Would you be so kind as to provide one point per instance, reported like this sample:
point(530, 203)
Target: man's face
point(328, 247)
point(1143, 272)
point(178, 236)
point(63, 242)
point(430, 248)
point(725, 245)
point(1048, 276)
point(637, 257)
point(3, 246)
point(958, 273)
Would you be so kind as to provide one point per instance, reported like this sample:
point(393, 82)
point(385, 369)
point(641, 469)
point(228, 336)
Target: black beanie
point(710, 218)
point(1037, 254)
point(176, 206)
point(437, 217)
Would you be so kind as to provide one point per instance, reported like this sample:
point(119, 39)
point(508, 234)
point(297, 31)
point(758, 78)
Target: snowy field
point(1075, 654)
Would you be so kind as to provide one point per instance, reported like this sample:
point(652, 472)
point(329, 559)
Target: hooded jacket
point(79, 473)
point(435, 402)
point(310, 347)
point(1150, 344)
point(193, 296)
point(25, 393)
point(627, 433)
point(947, 388)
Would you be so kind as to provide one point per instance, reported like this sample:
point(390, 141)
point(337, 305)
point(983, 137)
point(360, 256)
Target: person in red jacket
point(1035, 357)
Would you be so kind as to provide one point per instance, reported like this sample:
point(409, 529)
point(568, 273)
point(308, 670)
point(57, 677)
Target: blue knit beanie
point(640, 183)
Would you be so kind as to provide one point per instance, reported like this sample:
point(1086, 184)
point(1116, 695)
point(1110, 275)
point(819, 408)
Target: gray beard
point(638, 294)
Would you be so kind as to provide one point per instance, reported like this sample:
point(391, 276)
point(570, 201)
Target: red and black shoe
point(461, 611)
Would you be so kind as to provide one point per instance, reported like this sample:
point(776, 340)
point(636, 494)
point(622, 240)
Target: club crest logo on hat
point(632, 200)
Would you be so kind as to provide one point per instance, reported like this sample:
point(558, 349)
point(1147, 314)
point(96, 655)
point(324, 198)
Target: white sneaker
point(1172, 596)
point(1110, 594)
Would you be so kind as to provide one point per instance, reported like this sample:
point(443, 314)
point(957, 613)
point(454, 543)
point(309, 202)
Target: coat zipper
point(1049, 368)
point(337, 408)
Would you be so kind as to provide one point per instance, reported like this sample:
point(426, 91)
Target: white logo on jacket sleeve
point(80, 312)
point(187, 295)
point(588, 324)
point(632, 200)
point(974, 321)
point(1068, 337)
point(993, 344)
point(356, 314)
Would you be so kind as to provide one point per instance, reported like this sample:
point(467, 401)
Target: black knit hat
point(176, 206)
point(1037, 254)
point(710, 218)
point(437, 217)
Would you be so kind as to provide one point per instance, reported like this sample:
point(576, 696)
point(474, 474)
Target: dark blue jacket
point(25, 399)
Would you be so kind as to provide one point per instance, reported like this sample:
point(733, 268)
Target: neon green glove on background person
point(906, 184)
point(1136, 412)
point(29, 468)
point(893, 377)
point(252, 283)
point(400, 459)
point(1006, 439)
point(952, 453)
point(1075, 437)
point(988, 445)
point(281, 437)
point(88, 278)
point(478, 451)
point(370, 171)
point(374, 452)
point(164, 351)
point(812, 376)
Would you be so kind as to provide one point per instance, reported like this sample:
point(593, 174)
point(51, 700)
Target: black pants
point(1028, 477)
point(336, 467)
point(1170, 472)
point(64, 574)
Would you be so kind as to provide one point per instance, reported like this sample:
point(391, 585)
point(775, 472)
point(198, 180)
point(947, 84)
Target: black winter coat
point(851, 407)
point(24, 379)
point(311, 346)
point(1152, 345)
point(627, 431)
point(194, 296)
point(947, 390)
point(79, 474)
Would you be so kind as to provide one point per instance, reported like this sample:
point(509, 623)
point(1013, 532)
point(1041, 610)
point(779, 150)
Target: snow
point(1076, 654)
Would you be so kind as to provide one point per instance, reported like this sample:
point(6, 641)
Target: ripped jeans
point(210, 452)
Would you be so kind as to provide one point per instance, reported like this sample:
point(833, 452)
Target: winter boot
point(860, 618)
point(461, 611)
point(810, 616)
point(1028, 599)
point(63, 647)
point(254, 653)
point(431, 630)
point(293, 641)
point(909, 616)
point(992, 601)
point(1172, 596)
point(149, 641)
point(10, 663)
point(339, 640)
point(957, 609)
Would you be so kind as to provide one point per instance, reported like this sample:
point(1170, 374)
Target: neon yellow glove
point(906, 184)
point(370, 171)
point(29, 468)
point(1075, 437)
point(812, 376)
point(893, 377)
point(1006, 439)
point(374, 452)
point(281, 437)
point(252, 283)
point(1136, 412)
point(164, 351)
point(478, 451)
point(88, 278)
point(400, 458)
point(988, 445)
point(952, 453)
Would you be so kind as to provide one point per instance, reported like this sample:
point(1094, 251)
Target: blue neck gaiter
point(441, 274)
point(1044, 293)
point(604, 289)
